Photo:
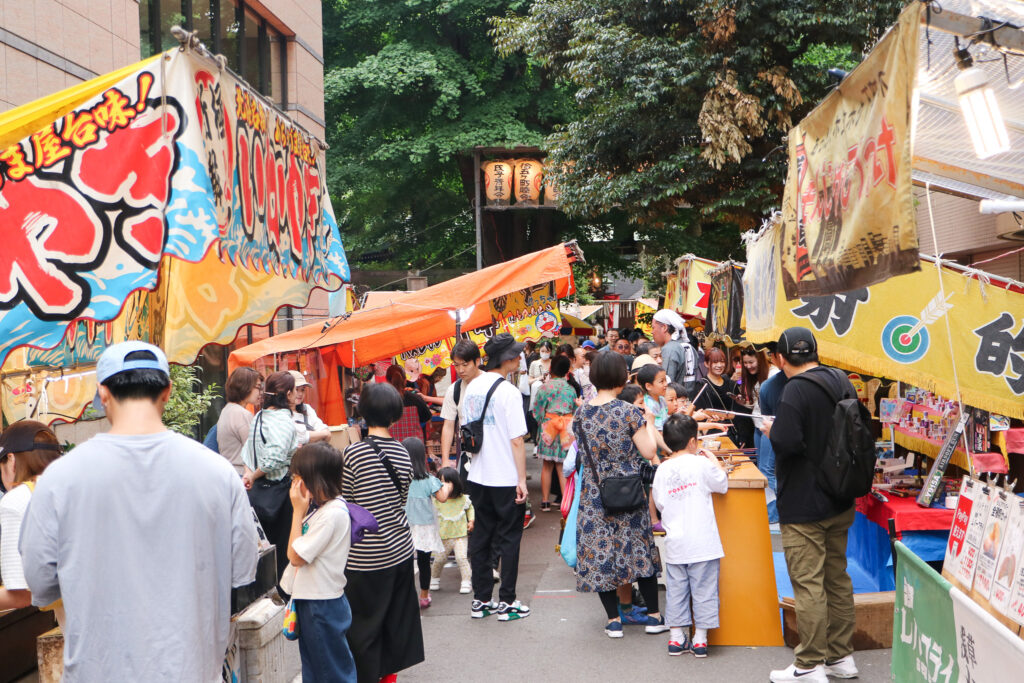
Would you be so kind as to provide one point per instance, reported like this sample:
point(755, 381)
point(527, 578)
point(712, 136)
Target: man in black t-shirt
point(814, 525)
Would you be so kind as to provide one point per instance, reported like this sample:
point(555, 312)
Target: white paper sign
point(975, 533)
point(992, 542)
point(1009, 559)
point(988, 651)
point(958, 531)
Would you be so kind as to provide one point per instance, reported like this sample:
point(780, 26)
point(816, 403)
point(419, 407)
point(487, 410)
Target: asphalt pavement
point(563, 639)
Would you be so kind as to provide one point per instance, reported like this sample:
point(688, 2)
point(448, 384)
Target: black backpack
point(848, 465)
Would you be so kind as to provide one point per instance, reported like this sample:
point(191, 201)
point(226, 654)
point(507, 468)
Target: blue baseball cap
point(588, 345)
point(112, 361)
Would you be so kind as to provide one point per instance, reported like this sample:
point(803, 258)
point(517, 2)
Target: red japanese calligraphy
point(134, 164)
point(50, 229)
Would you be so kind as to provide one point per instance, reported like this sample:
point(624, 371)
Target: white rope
point(949, 329)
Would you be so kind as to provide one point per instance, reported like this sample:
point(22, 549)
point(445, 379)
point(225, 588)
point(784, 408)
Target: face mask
point(545, 354)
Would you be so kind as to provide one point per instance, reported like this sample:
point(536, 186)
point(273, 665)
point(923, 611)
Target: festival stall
point(842, 258)
point(166, 201)
point(518, 296)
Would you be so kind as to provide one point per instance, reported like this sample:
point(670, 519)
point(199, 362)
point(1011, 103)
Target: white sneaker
point(435, 584)
point(841, 668)
point(791, 673)
point(465, 587)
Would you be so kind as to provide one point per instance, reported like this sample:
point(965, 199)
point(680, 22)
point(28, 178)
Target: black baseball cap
point(500, 348)
point(797, 341)
point(20, 437)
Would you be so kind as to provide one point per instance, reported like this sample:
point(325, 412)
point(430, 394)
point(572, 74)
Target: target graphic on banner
point(905, 339)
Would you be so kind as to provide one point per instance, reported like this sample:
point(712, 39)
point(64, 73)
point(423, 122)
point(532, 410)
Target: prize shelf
point(929, 447)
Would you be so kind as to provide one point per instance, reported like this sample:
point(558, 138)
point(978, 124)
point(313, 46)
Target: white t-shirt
point(682, 490)
point(324, 547)
point(495, 464)
point(12, 510)
point(450, 411)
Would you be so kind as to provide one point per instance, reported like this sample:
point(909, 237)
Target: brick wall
point(46, 45)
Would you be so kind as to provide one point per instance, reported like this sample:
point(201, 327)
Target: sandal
point(545, 506)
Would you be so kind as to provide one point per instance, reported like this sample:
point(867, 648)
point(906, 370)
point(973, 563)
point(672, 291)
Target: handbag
point(290, 628)
point(567, 544)
point(472, 433)
point(268, 498)
point(362, 522)
point(623, 493)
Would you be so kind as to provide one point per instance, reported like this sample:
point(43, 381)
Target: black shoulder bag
point(268, 498)
point(623, 493)
point(392, 472)
point(472, 433)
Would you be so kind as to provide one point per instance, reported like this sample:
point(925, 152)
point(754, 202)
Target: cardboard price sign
point(975, 533)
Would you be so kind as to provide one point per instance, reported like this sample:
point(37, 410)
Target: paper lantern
point(550, 192)
point(498, 182)
point(529, 176)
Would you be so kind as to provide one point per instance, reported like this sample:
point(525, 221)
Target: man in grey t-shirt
point(679, 359)
point(142, 532)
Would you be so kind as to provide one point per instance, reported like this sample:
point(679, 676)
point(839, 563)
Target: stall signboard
point(924, 643)
point(725, 308)
point(530, 313)
point(430, 356)
point(170, 176)
point(688, 290)
point(898, 329)
point(848, 208)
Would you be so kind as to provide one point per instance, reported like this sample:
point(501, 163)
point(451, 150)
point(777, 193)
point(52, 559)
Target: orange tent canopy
point(413, 319)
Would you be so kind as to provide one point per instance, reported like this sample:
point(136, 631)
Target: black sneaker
point(483, 609)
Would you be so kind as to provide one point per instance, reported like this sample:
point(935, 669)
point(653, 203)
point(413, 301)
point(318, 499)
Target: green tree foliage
point(188, 401)
point(410, 85)
point(683, 106)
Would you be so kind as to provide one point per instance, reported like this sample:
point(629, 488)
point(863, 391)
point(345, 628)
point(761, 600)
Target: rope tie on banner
point(949, 328)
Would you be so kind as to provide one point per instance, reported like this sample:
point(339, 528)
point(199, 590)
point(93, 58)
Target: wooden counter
point(749, 601)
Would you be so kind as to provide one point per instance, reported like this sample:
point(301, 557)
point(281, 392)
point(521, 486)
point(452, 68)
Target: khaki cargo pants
point(823, 592)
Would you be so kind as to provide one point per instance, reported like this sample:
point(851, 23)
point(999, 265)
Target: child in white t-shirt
point(682, 490)
point(318, 548)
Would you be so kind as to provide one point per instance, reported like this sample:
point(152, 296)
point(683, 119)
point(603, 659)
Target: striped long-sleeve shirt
point(272, 440)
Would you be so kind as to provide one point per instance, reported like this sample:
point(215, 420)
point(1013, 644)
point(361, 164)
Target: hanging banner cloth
point(725, 307)
point(168, 161)
point(166, 201)
point(418, 319)
point(688, 289)
point(848, 209)
point(897, 328)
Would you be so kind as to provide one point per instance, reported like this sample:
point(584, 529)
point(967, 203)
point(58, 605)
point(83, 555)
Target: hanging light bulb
point(981, 111)
point(597, 280)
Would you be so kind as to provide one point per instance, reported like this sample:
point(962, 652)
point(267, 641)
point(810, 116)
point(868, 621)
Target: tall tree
point(410, 85)
point(683, 106)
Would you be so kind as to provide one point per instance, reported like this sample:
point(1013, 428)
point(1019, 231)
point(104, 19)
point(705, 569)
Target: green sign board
point(924, 642)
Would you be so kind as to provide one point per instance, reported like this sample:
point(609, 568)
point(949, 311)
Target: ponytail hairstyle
point(275, 390)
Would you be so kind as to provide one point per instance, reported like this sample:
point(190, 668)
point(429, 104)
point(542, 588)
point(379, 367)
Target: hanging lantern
point(498, 182)
point(550, 191)
point(529, 176)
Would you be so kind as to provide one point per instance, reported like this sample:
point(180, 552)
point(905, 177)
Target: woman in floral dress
point(553, 408)
point(614, 549)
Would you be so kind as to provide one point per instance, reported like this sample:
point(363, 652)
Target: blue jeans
point(766, 463)
point(326, 657)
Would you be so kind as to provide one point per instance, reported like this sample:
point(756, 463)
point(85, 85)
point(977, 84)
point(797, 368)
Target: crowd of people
point(134, 535)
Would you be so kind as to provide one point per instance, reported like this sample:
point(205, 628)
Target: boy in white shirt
point(682, 490)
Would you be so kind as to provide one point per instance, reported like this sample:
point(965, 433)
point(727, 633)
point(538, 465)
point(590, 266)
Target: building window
point(254, 49)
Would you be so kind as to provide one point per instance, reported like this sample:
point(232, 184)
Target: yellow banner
point(901, 329)
point(848, 209)
point(431, 356)
point(529, 313)
point(689, 290)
